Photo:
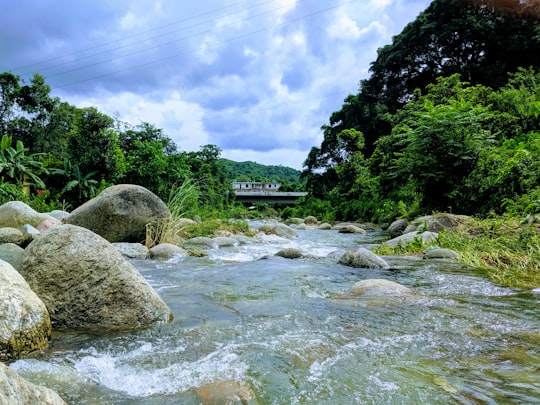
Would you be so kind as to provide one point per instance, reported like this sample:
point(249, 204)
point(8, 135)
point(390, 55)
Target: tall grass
point(506, 249)
point(183, 199)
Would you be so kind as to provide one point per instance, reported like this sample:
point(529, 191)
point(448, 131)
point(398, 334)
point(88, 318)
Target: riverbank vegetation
point(447, 121)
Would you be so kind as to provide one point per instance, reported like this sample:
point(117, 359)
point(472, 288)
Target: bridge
point(269, 197)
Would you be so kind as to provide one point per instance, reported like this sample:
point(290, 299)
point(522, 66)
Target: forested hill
point(243, 171)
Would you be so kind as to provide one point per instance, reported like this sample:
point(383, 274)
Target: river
point(277, 327)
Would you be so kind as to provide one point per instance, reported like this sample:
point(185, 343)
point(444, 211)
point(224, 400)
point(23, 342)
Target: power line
point(201, 48)
point(140, 34)
point(145, 49)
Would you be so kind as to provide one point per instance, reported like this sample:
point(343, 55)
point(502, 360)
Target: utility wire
point(147, 48)
point(201, 48)
point(45, 61)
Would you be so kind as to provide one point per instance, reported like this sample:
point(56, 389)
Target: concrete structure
point(247, 186)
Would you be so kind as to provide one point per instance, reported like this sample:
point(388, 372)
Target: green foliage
point(19, 167)
point(79, 187)
point(251, 171)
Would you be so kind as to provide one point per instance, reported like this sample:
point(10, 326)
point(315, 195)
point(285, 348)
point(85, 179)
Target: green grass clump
point(506, 249)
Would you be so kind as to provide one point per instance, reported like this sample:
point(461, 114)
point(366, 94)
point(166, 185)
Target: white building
point(255, 186)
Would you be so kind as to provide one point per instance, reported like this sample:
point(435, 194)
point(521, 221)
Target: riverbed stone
point(351, 229)
point(325, 226)
point(376, 288)
point(364, 258)
point(201, 241)
point(25, 325)
point(397, 227)
point(291, 253)
point(223, 241)
point(86, 283)
point(224, 392)
point(280, 230)
point(311, 220)
point(426, 237)
point(15, 390)
point(121, 213)
point(132, 250)
point(16, 213)
point(167, 251)
point(11, 253)
point(441, 253)
point(11, 235)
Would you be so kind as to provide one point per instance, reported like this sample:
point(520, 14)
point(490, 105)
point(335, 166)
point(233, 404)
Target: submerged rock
point(376, 288)
point(224, 393)
point(351, 229)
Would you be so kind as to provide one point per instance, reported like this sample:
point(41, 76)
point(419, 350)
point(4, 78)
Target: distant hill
point(244, 171)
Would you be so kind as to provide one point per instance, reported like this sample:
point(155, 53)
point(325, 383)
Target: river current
point(278, 327)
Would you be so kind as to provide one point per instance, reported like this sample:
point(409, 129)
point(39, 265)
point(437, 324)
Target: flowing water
point(279, 329)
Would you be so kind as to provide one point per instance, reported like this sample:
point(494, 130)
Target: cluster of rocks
point(71, 270)
point(63, 271)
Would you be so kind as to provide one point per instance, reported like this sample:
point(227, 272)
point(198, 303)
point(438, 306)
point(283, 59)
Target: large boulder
point(85, 282)
point(25, 325)
point(120, 213)
point(15, 390)
point(14, 214)
point(364, 258)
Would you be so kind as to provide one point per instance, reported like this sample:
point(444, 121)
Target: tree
point(17, 165)
point(93, 145)
point(83, 186)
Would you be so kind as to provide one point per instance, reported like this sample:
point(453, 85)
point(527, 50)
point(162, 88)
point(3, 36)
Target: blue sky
point(257, 78)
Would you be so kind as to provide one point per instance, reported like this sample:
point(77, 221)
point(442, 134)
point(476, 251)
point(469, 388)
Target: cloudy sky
point(257, 78)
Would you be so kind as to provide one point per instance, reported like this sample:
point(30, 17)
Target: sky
point(257, 78)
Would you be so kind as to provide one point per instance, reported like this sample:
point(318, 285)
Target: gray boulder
point(376, 288)
point(25, 325)
point(201, 241)
point(59, 215)
point(132, 250)
point(86, 283)
point(120, 213)
point(16, 213)
point(291, 253)
point(11, 253)
point(167, 251)
point(11, 235)
point(397, 227)
point(15, 390)
point(311, 220)
point(325, 226)
point(351, 229)
point(280, 230)
point(364, 258)
point(425, 237)
point(222, 241)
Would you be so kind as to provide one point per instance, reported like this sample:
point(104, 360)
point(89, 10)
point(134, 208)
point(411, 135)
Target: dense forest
point(448, 120)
